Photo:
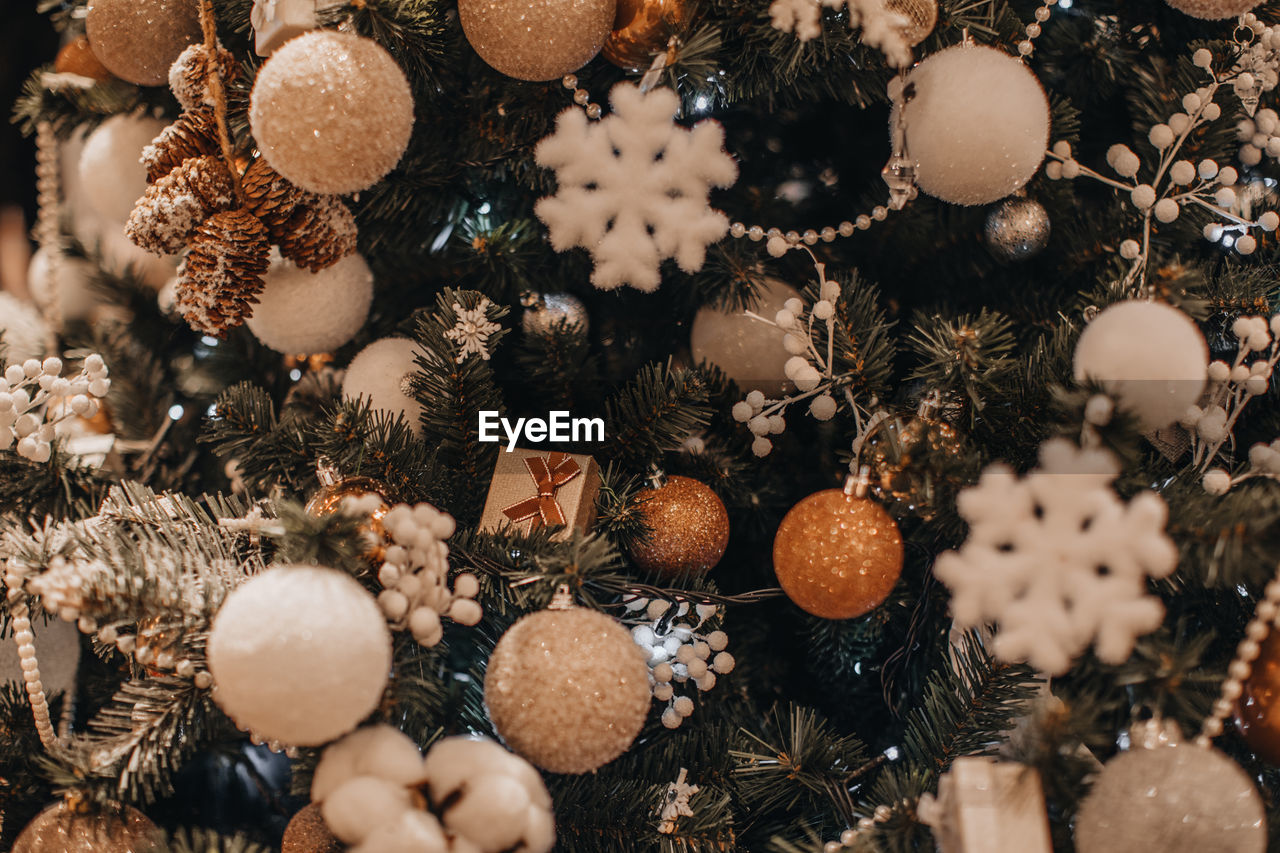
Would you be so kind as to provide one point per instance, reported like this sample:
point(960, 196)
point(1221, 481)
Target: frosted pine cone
point(194, 133)
point(313, 231)
point(175, 205)
point(222, 274)
point(189, 75)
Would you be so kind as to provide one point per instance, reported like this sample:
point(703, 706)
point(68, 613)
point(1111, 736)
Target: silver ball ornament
point(1175, 799)
point(1213, 10)
point(545, 312)
point(1016, 229)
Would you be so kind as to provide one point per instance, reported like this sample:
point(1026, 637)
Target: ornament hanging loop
point(563, 599)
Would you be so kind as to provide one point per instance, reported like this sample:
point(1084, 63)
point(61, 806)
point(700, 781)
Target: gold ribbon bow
point(549, 474)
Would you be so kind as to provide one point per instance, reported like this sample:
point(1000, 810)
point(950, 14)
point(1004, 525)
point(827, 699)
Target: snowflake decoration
point(676, 803)
point(1058, 560)
point(472, 330)
point(633, 187)
point(881, 28)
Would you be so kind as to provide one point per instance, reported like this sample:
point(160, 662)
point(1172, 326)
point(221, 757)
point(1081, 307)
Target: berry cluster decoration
point(415, 575)
point(1258, 68)
point(679, 650)
point(35, 397)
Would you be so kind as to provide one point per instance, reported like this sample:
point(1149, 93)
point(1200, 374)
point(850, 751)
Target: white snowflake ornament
point(633, 187)
point(472, 331)
point(1058, 560)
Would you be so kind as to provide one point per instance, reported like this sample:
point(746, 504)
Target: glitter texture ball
point(111, 174)
point(1149, 355)
point(1258, 709)
point(567, 689)
point(642, 28)
point(58, 830)
point(331, 112)
point(837, 556)
point(300, 312)
point(536, 39)
point(307, 833)
point(1213, 10)
point(1016, 229)
point(381, 373)
point(137, 40)
point(922, 14)
point(750, 352)
point(299, 654)
point(1174, 799)
point(977, 125)
point(689, 528)
point(549, 310)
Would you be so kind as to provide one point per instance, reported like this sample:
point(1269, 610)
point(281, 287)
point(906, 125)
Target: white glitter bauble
point(1213, 10)
point(137, 40)
point(750, 352)
point(567, 689)
point(112, 176)
point(299, 654)
point(22, 329)
point(1149, 355)
point(380, 373)
point(300, 312)
point(69, 294)
point(497, 800)
point(331, 112)
point(1172, 799)
point(1016, 229)
point(977, 125)
point(537, 39)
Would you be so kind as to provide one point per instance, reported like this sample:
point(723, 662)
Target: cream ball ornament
point(537, 39)
point(381, 373)
point(567, 689)
point(299, 654)
point(112, 176)
point(750, 352)
point(137, 40)
point(300, 312)
point(331, 112)
point(62, 288)
point(977, 124)
point(1213, 10)
point(1149, 355)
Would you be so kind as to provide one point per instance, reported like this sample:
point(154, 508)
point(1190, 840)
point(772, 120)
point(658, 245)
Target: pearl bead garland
point(880, 815)
point(1241, 668)
point(1032, 31)
point(47, 229)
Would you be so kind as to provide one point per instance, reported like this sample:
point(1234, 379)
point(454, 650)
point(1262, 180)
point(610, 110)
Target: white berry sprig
point(678, 649)
point(415, 575)
point(35, 398)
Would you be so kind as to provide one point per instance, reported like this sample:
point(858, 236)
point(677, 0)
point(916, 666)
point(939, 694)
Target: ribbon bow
point(549, 474)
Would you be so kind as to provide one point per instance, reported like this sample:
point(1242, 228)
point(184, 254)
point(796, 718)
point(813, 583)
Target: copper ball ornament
point(137, 40)
point(62, 829)
point(1258, 709)
point(567, 689)
point(76, 57)
point(837, 556)
point(308, 833)
point(334, 490)
point(536, 40)
point(893, 453)
point(689, 528)
point(642, 28)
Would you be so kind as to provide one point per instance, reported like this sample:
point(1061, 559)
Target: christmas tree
point(681, 425)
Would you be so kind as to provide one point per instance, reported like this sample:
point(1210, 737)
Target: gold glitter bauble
point(76, 57)
point(567, 689)
point(689, 528)
point(58, 829)
point(308, 833)
point(837, 556)
point(329, 500)
point(137, 40)
point(331, 112)
point(1258, 710)
point(1213, 10)
point(922, 14)
point(893, 453)
point(536, 39)
point(642, 28)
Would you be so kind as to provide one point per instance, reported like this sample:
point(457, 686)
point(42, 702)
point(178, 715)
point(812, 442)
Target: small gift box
point(988, 806)
point(532, 488)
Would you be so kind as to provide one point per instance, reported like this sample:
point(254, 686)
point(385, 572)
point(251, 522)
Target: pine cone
point(189, 75)
point(313, 231)
point(222, 275)
point(175, 205)
point(193, 134)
